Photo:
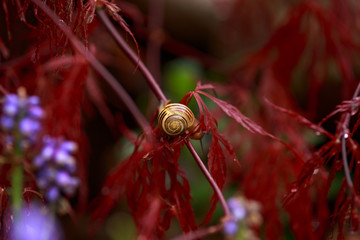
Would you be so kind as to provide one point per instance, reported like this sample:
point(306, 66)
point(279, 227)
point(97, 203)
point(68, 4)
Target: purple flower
point(68, 146)
point(238, 212)
point(33, 100)
point(36, 224)
point(21, 114)
point(52, 194)
point(63, 178)
point(38, 161)
point(230, 227)
point(29, 126)
point(11, 109)
point(7, 123)
point(237, 209)
point(55, 168)
point(36, 112)
point(62, 157)
point(48, 151)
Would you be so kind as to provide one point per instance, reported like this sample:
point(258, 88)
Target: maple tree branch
point(129, 103)
point(104, 73)
point(345, 135)
point(357, 91)
point(161, 96)
point(345, 163)
point(131, 55)
point(209, 178)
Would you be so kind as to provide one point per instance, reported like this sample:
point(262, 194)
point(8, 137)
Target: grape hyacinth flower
point(238, 211)
point(231, 227)
point(245, 215)
point(36, 224)
point(55, 168)
point(20, 118)
point(237, 208)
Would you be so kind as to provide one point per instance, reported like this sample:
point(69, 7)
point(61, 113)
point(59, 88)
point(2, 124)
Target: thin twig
point(79, 47)
point(131, 55)
point(160, 95)
point(345, 135)
point(210, 179)
point(357, 91)
point(121, 92)
point(345, 163)
point(118, 88)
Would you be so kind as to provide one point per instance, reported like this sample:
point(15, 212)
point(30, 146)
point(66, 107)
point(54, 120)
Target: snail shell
point(175, 119)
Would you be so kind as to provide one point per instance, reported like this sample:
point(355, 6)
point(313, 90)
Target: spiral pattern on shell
point(175, 118)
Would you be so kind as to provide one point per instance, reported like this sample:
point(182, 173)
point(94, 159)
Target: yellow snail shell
point(175, 119)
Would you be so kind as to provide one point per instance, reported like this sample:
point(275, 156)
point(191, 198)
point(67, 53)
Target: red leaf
point(246, 122)
point(152, 198)
point(301, 119)
point(350, 106)
point(216, 155)
point(206, 86)
point(114, 10)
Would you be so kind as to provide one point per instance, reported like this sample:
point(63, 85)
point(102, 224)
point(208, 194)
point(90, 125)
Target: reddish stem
point(210, 179)
point(131, 55)
point(345, 135)
point(160, 95)
point(345, 163)
point(79, 47)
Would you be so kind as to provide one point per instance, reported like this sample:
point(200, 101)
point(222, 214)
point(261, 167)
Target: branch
point(113, 83)
point(345, 135)
point(131, 55)
point(345, 163)
point(160, 95)
point(129, 103)
point(210, 179)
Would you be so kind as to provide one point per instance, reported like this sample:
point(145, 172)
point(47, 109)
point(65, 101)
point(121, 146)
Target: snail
point(176, 119)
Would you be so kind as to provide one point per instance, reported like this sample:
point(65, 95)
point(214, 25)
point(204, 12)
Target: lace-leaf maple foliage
point(309, 24)
point(280, 168)
point(145, 175)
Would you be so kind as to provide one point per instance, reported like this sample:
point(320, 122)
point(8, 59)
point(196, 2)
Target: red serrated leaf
point(309, 207)
point(317, 128)
point(150, 219)
point(350, 106)
point(206, 86)
point(114, 10)
point(217, 168)
point(319, 158)
point(153, 200)
point(112, 189)
point(246, 122)
point(216, 155)
point(179, 192)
